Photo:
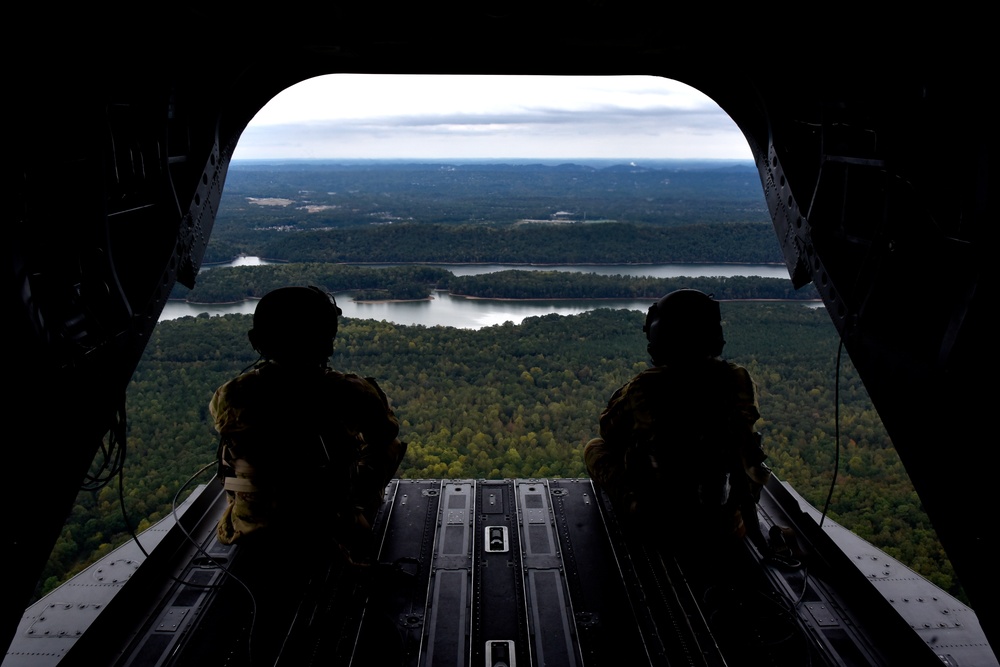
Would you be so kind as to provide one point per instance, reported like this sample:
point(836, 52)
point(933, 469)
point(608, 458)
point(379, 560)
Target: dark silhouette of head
point(295, 326)
point(685, 324)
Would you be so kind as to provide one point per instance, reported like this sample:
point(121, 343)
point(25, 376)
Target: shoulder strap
point(223, 456)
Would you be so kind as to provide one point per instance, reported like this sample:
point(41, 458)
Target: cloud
point(359, 116)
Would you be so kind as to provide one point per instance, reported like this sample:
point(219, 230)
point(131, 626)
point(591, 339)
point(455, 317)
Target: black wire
point(836, 464)
point(112, 453)
point(173, 508)
point(836, 434)
point(113, 466)
point(121, 503)
point(222, 568)
point(177, 521)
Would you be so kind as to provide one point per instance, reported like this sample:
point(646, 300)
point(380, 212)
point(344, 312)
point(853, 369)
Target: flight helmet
point(295, 325)
point(684, 324)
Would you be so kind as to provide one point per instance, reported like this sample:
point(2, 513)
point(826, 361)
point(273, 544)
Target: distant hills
point(265, 203)
point(596, 163)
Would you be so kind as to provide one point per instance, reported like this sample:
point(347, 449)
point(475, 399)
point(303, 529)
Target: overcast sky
point(355, 116)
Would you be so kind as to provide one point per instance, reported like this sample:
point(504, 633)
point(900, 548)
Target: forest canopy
point(520, 401)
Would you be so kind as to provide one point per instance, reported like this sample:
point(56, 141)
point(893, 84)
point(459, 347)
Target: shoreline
point(553, 264)
point(542, 265)
point(500, 298)
point(266, 260)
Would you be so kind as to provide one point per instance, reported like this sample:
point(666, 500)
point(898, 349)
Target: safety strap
point(242, 481)
point(240, 484)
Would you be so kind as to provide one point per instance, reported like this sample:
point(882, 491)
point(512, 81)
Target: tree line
point(578, 243)
point(231, 284)
point(561, 285)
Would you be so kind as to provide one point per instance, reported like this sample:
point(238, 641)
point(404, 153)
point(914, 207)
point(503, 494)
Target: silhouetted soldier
point(305, 455)
point(678, 451)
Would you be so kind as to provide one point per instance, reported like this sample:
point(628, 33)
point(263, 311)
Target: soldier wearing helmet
point(678, 440)
point(304, 449)
point(305, 455)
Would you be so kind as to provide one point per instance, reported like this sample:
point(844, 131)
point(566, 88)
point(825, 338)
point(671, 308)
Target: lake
point(465, 313)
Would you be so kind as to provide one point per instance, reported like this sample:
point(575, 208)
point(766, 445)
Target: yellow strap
point(240, 484)
point(243, 482)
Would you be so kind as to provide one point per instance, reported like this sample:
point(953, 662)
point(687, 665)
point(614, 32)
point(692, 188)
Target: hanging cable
point(836, 433)
point(111, 455)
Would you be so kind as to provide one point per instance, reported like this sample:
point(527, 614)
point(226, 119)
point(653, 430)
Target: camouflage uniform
point(308, 451)
point(677, 443)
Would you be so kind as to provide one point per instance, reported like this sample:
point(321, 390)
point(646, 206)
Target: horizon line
point(495, 159)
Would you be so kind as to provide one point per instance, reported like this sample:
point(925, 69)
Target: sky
point(360, 116)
